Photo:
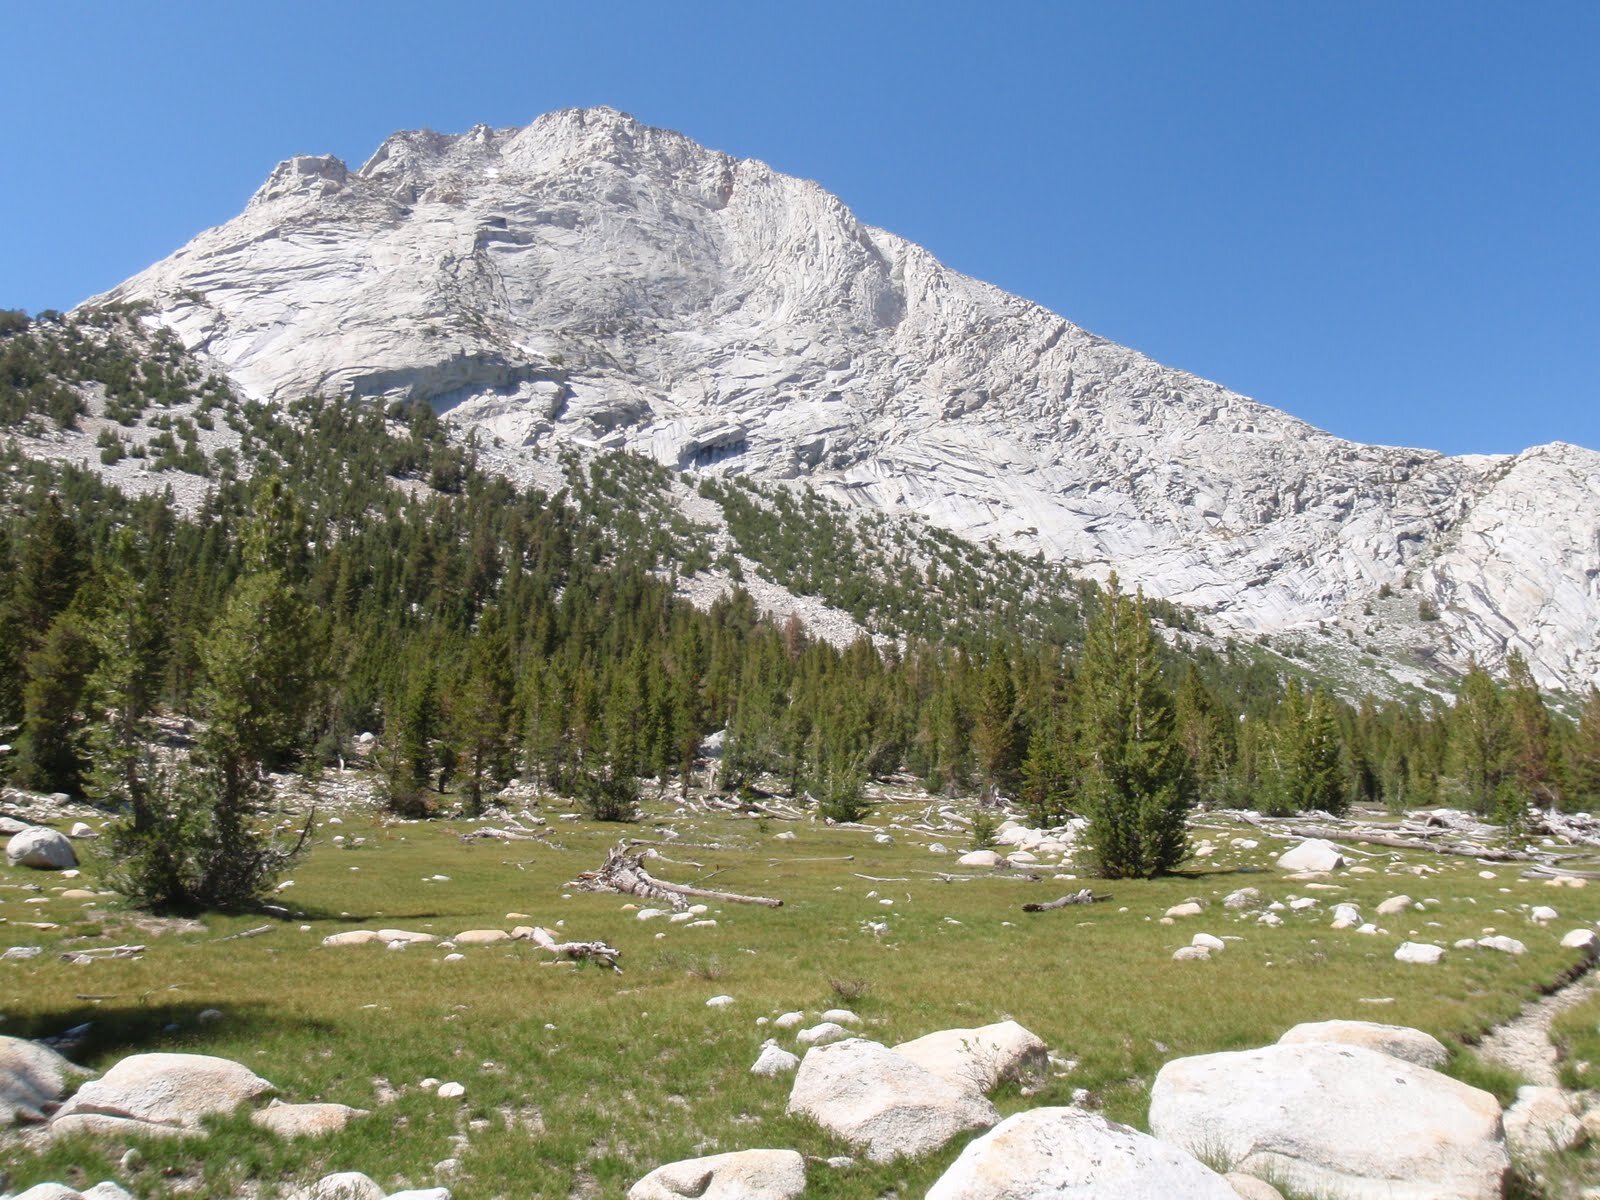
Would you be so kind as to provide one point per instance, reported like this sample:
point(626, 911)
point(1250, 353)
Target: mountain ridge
point(590, 279)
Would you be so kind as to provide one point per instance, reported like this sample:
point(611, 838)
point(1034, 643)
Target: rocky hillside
point(591, 280)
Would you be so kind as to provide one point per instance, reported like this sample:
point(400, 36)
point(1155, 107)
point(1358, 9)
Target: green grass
point(636, 1071)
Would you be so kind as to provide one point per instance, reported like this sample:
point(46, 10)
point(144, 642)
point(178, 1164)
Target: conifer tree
point(1583, 763)
point(1136, 788)
point(1534, 755)
point(1480, 746)
point(49, 754)
point(994, 728)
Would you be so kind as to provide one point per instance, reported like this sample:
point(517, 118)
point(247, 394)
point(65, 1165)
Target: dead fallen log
point(1086, 896)
point(1367, 837)
point(247, 933)
point(598, 952)
point(625, 874)
point(1017, 876)
point(82, 957)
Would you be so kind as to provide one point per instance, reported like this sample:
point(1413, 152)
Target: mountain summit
point(594, 280)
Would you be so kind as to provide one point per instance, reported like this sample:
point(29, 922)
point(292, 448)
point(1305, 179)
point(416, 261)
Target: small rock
point(1506, 945)
point(1543, 914)
point(305, 1120)
point(773, 1061)
point(821, 1035)
point(1394, 905)
point(741, 1175)
point(1419, 952)
point(1191, 954)
point(719, 1002)
point(451, 1091)
point(1208, 941)
point(1189, 908)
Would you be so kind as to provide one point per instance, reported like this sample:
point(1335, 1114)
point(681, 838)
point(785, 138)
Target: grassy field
point(578, 1081)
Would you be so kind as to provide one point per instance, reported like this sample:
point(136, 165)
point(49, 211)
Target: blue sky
point(1381, 218)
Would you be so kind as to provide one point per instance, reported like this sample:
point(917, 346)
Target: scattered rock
point(841, 1016)
point(32, 1079)
point(1506, 945)
point(42, 849)
point(1542, 914)
point(1397, 1041)
point(719, 1002)
point(1419, 952)
point(821, 1035)
point(1313, 854)
point(1394, 905)
point(1335, 1121)
point(789, 1020)
point(346, 1185)
point(305, 1120)
point(1191, 954)
point(741, 1175)
point(870, 1096)
point(451, 1091)
point(1189, 908)
point(979, 858)
point(1069, 1154)
point(352, 937)
point(1243, 898)
point(167, 1092)
point(481, 937)
point(773, 1061)
point(1582, 939)
point(79, 831)
point(980, 1058)
point(1543, 1120)
point(1208, 941)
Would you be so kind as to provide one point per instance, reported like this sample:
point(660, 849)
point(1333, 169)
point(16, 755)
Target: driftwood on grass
point(247, 933)
point(1359, 835)
point(1086, 896)
point(88, 956)
point(1018, 876)
point(598, 952)
point(625, 873)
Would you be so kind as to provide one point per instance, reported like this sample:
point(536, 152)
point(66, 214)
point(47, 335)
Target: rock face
point(742, 1175)
point(41, 848)
point(159, 1093)
point(1397, 1041)
point(888, 1105)
point(1335, 1121)
point(1069, 1154)
point(32, 1079)
point(980, 1058)
point(590, 279)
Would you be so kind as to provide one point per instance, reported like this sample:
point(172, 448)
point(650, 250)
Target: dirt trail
point(1523, 1043)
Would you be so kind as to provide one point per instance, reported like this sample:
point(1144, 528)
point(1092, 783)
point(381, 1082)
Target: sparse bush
point(607, 798)
point(1427, 610)
point(848, 989)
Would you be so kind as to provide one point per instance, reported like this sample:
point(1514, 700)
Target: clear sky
point(1383, 218)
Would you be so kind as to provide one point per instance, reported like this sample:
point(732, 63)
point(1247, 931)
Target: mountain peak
point(589, 278)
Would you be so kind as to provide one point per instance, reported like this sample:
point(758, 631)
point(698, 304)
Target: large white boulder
point(1069, 1154)
point(1424, 953)
point(980, 1058)
point(32, 1079)
point(979, 858)
point(741, 1175)
point(1335, 1121)
point(885, 1103)
point(165, 1091)
point(41, 848)
point(1313, 854)
point(1397, 1041)
point(345, 1185)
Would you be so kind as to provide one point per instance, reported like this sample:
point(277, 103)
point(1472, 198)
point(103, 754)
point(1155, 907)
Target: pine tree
point(1136, 790)
point(1302, 771)
point(481, 710)
point(1049, 775)
point(1533, 753)
point(49, 751)
point(1583, 763)
point(994, 728)
point(1480, 746)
